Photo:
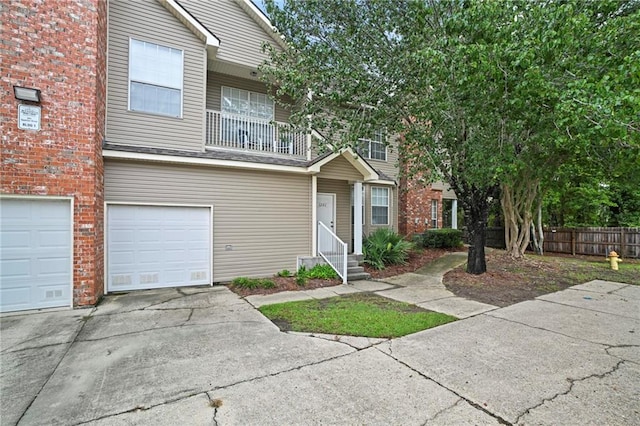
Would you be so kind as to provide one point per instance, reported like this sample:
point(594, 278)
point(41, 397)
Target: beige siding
point(342, 189)
point(340, 168)
point(264, 216)
point(149, 21)
point(215, 81)
point(240, 36)
point(389, 167)
point(447, 192)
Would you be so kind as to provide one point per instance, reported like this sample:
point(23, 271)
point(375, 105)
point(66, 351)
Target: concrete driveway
point(205, 356)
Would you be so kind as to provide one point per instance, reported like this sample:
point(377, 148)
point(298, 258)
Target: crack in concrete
point(468, 401)
point(184, 324)
point(206, 392)
point(572, 382)
point(53, 371)
point(338, 339)
point(435, 416)
point(488, 313)
point(588, 309)
point(144, 407)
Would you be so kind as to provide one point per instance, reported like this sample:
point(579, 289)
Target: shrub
point(284, 273)
point(385, 247)
point(251, 283)
point(442, 238)
point(320, 271)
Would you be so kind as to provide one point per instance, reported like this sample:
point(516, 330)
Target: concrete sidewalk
point(206, 356)
point(423, 288)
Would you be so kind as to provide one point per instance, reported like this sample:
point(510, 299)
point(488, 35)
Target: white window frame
point(378, 138)
point(249, 93)
point(434, 214)
point(179, 87)
point(388, 206)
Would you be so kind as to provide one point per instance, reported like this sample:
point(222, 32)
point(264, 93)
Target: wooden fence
point(588, 241)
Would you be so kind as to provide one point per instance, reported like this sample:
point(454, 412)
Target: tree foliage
point(493, 97)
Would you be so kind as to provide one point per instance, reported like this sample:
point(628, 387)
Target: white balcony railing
point(253, 134)
point(333, 250)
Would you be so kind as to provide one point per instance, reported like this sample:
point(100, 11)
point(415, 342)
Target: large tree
point(480, 94)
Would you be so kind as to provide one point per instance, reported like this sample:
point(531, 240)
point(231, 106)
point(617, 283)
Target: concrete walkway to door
point(206, 356)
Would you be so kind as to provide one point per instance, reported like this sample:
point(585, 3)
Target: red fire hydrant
point(614, 259)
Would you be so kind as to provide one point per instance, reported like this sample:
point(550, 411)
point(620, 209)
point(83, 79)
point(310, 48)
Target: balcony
point(254, 135)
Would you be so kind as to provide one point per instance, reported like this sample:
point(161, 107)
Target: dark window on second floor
point(374, 148)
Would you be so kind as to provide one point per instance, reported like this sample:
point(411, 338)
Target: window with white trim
point(155, 78)
point(374, 148)
point(434, 214)
point(379, 206)
point(246, 103)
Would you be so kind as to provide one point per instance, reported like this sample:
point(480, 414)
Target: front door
point(326, 210)
point(327, 215)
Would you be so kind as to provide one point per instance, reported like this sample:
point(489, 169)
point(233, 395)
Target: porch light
point(27, 94)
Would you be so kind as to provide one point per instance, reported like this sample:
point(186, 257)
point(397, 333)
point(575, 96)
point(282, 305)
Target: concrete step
point(358, 276)
point(352, 263)
point(354, 270)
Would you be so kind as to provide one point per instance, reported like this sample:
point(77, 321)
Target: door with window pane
point(246, 119)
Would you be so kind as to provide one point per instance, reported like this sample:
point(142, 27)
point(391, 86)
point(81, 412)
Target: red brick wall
point(415, 206)
point(58, 47)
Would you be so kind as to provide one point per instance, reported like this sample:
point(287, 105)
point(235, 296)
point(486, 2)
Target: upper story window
point(374, 148)
point(249, 104)
point(155, 78)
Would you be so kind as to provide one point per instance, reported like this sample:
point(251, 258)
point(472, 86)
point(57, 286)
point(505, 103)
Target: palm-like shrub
point(385, 247)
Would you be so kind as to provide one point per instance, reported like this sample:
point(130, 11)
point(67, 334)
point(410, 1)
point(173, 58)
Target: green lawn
point(359, 314)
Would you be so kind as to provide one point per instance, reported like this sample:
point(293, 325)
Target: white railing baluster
point(333, 250)
point(252, 134)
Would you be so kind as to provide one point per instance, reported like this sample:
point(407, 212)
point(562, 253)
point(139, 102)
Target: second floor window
point(249, 104)
point(155, 78)
point(374, 148)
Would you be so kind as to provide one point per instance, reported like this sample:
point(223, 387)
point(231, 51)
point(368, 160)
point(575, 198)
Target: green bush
point(320, 271)
point(442, 238)
point(284, 273)
point(251, 283)
point(385, 247)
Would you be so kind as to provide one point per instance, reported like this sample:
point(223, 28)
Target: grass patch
point(360, 314)
point(580, 271)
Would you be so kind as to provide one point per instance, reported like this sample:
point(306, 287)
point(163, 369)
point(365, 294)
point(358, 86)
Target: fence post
point(623, 243)
point(573, 242)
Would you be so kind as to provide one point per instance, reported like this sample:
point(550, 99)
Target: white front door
point(327, 210)
point(327, 215)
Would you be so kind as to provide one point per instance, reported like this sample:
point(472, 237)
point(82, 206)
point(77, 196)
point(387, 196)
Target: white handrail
point(333, 250)
point(245, 133)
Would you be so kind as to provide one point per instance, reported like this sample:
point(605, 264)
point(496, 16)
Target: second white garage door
point(157, 246)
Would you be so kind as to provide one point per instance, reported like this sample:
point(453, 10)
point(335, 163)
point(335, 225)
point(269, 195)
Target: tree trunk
point(517, 205)
point(476, 222)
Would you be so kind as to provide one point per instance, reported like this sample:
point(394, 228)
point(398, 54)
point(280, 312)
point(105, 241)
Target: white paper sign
point(29, 117)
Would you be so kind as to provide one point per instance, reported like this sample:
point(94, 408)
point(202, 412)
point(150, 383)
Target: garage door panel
point(35, 254)
point(156, 246)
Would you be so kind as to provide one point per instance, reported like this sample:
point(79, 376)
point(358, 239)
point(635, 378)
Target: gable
point(240, 36)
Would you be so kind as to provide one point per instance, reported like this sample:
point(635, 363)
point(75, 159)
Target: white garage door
point(35, 254)
point(157, 246)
